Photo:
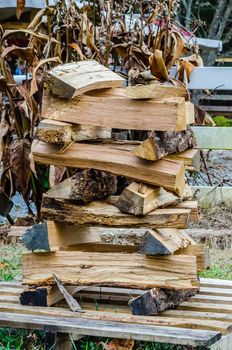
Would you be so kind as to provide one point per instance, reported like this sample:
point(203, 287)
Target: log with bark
point(167, 173)
point(86, 186)
point(102, 213)
point(157, 300)
point(161, 143)
point(54, 131)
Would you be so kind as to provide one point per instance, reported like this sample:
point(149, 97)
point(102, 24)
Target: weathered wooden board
point(119, 112)
point(110, 269)
point(112, 329)
point(213, 137)
point(209, 196)
point(72, 79)
point(101, 213)
point(54, 131)
point(166, 173)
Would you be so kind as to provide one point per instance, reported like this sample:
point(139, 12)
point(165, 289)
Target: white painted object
point(215, 138)
point(211, 78)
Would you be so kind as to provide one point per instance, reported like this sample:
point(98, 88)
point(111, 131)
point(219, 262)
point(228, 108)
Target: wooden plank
point(214, 291)
point(119, 112)
point(164, 241)
point(218, 283)
point(188, 322)
point(206, 307)
point(191, 205)
point(73, 79)
point(213, 137)
point(210, 196)
point(214, 97)
point(54, 131)
point(110, 269)
point(166, 173)
point(101, 213)
point(111, 329)
point(211, 299)
point(216, 109)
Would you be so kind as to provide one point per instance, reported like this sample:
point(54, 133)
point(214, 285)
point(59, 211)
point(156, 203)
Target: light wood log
point(101, 213)
point(111, 269)
point(155, 91)
point(72, 79)
point(200, 251)
point(166, 173)
point(140, 199)
point(118, 112)
point(54, 131)
point(160, 144)
point(157, 300)
point(164, 241)
point(190, 157)
point(86, 186)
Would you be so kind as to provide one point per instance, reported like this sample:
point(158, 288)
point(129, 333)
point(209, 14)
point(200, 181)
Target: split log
point(164, 241)
point(54, 131)
point(140, 199)
point(118, 112)
point(72, 79)
point(101, 213)
point(155, 91)
point(190, 157)
point(53, 236)
point(86, 186)
point(160, 144)
point(165, 173)
point(110, 269)
point(198, 250)
point(157, 300)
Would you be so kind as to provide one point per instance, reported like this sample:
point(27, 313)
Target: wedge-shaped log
point(86, 186)
point(157, 300)
point(140, 199)
point(72, 79)
point(53, 236)
point(166, 173)
point(164, 241)
point(101, 213)
point(54, 131)
point(162, 143)
point(119, 112)
point(110, 269)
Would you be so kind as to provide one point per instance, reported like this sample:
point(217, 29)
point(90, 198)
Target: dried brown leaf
point(4, 127)
point(20, 162)
point(158, 68)
point(76, 47)
point(34, 87)
point(25, 53)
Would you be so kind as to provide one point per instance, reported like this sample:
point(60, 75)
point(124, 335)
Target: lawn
point(10, 268)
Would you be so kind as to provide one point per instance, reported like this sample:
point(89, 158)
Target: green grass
point(222, 121)
point(10, 268)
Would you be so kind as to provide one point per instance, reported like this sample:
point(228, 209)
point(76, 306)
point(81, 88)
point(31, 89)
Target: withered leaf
point(76, 47)
point(4, 127)
point(158, 68)
point(20, 162)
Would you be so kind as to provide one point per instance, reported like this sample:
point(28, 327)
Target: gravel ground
point(219, 168)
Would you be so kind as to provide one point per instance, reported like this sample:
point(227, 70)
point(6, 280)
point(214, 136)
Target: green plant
point(222, 121)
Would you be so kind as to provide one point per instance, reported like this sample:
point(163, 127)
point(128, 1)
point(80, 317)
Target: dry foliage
point(140, 38)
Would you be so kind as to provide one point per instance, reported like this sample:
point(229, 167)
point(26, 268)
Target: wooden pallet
point(205, 320)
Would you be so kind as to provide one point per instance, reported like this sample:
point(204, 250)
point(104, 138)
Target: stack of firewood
point(133, 179)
